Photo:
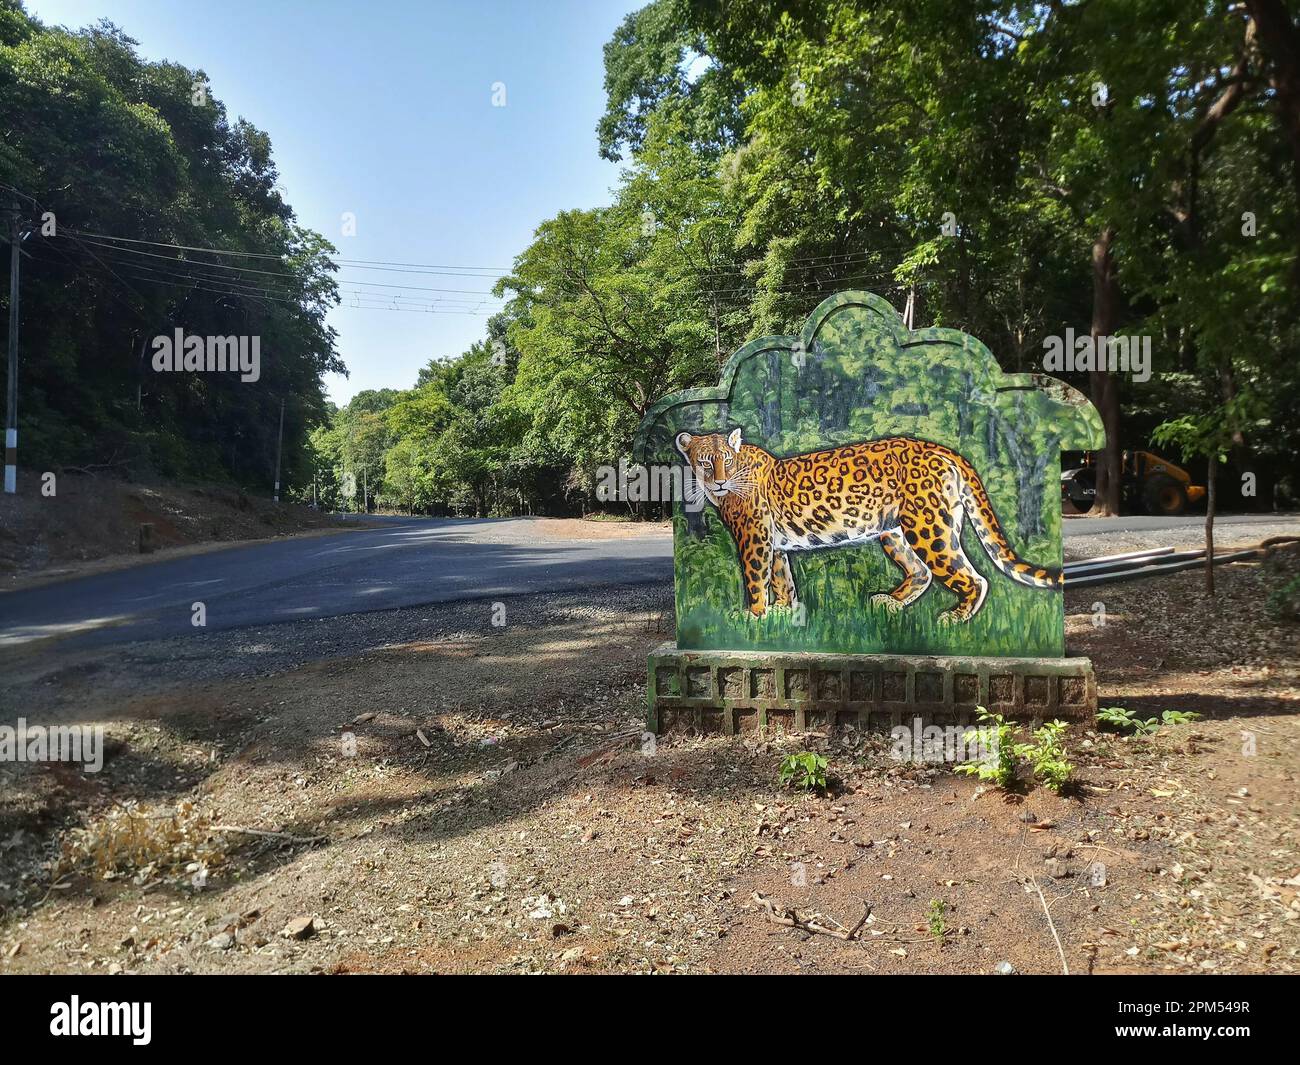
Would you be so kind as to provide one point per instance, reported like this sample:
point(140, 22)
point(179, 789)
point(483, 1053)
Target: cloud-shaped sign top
point(856, 372)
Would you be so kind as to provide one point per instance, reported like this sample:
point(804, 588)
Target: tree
point(1208, 436)
point(656, 56)
point(96, 140)
point(1012, 171)
point(1093, 161)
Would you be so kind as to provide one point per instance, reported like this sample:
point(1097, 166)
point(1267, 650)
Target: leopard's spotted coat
point(911, 495)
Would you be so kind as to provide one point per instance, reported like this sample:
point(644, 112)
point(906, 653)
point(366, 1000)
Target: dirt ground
point(436, 795)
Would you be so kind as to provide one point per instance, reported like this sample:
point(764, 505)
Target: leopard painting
point(911, 495)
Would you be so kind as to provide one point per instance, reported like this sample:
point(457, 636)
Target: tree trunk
point(1104, 385)
point(1210, 478)
point(1242, 462)
point(1279, 39)
point(1206, 130)
point(139, 375)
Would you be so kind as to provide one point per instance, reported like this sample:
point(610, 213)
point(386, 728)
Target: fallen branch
point(58, 885)
point(866, 912)
point(606, 744)
point(1048, 914)
point(791, 919)
point(1065, 896)
point(272, 835)
point(114, 463)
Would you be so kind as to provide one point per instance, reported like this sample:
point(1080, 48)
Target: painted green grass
point(835, 586)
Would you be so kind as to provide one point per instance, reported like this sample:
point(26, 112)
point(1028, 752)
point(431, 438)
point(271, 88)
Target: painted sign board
point(863, 488)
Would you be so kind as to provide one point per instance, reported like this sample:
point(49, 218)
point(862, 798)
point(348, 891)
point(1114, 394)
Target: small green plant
point(804, 770)
point(1047, 755)
point(1002, 756)
point(1284, 601)
point(934, 918)
point(994, 739)
point(1121, 720)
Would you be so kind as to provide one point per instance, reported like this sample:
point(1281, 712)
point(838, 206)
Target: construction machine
point(1149, 484)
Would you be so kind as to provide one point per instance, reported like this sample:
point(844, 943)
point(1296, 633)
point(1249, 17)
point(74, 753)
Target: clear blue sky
point(385, 110)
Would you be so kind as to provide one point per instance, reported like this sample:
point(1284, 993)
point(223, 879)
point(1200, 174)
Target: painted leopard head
point(715, 461)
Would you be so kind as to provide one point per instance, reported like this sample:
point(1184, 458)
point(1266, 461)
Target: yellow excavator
point(1150, 484)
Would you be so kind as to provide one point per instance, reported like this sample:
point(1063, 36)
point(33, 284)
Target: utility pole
point(279, 446)
point(139, 376)
point(365, 489)
point(11, 413)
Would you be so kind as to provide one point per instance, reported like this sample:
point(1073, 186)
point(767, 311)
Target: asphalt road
point(1085, 526)
point(406, 562)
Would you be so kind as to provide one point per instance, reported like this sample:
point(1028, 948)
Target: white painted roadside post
point(279, 446)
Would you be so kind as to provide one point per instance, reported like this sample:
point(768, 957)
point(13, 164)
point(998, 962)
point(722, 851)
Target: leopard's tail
point(980, 510)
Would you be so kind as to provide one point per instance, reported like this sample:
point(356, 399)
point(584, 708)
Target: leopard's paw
point(955, 616)
point(887, 601)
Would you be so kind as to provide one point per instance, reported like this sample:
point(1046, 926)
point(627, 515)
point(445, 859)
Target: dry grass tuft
point(145, 844)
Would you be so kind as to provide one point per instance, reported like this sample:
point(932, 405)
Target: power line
point(338, 281)
point(686, 280)
point(135, 309)
point(193, 271)
point(237, 285)
point(280, 273)
point(380, 301)
point(498, 270)
point(176, 259)
point(419, 310)
point(232, 286)
point(263, 295)
point(281, 258)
